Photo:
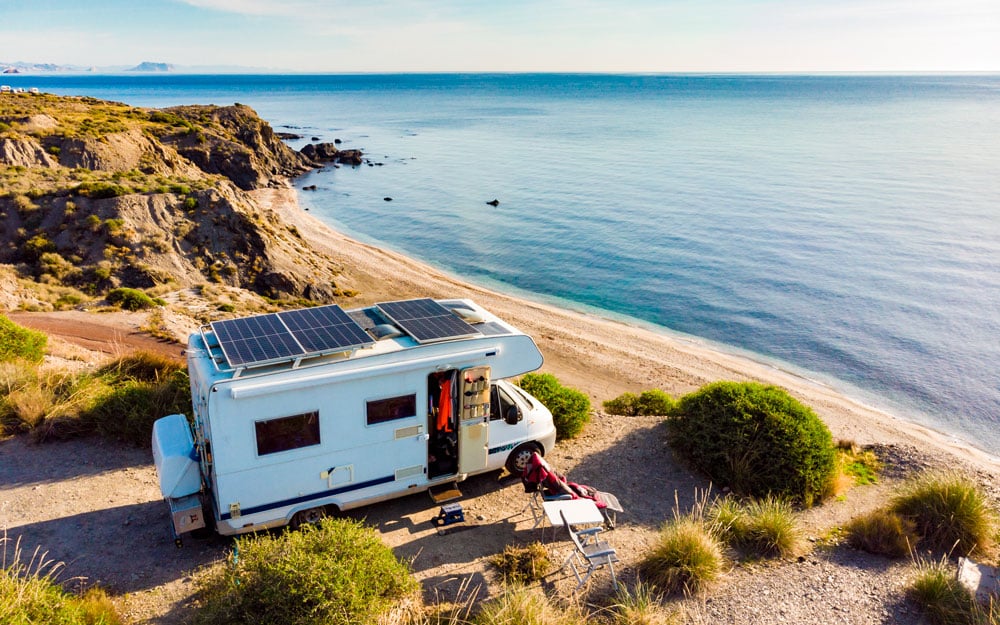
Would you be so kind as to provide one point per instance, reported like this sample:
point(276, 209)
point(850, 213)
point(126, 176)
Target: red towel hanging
point(444, 407)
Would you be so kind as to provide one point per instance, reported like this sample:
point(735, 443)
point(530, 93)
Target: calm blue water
point(849, 226)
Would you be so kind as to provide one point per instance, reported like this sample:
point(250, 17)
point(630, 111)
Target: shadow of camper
point(122, 548)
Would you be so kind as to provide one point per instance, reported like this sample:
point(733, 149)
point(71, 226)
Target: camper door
point(474, 402)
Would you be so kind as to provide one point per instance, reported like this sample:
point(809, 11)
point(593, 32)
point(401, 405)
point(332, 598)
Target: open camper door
point(474, 400)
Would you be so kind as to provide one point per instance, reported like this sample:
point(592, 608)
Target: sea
point(843, 227)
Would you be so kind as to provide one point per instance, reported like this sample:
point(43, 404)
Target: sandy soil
point(96, 506)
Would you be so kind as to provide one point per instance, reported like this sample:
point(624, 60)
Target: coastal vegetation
point(335, 572)
point(118, 401)
point(647, 403)
point(132, 299)
point(686, 557)
point(522, 564)
point(30, 593)
point(757, 528)
point(941, 513)
point(20, 343)
point(946, 601)
point(570, 407)
point(755, 439)
point(949, 512)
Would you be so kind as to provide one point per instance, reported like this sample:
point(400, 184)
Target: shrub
point(36, 246)
point(685, 558)
point(29, 594)
point(520, 565)
point(624, 404)
point(883, 533)
point(130, 299)
point(770, 529)
point(526, 606)
point(570, 408)
point(101, 190)
point(951, 514)
point(756, 439)
point(654, 402)
point(190, 203)
point(641, 606)
point(651, 402)
point(127, 410)
point(946, 601)
point(761, 528)
point(18, 342)
point(335, 572)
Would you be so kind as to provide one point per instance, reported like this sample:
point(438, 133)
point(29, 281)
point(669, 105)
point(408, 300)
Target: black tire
point(306, 517)
point(518, 458)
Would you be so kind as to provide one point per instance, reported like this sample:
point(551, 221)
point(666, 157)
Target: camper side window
point(391, 408)
point(287, 433)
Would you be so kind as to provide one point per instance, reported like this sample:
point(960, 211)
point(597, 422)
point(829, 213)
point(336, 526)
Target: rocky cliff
point(95, 195)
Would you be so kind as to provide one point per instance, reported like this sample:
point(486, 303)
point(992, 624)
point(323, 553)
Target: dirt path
point(113, 335)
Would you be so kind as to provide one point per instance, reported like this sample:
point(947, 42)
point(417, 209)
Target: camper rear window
point(274, 435)
point(382, 410)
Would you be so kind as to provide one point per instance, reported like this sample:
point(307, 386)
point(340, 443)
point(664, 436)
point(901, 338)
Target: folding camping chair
point(590, 551)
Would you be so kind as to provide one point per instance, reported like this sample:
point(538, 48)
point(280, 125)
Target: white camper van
point(298, 412)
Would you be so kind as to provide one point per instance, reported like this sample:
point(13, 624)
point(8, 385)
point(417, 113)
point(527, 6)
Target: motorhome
point(302, 412)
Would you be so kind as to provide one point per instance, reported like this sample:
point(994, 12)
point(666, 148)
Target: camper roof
point(296, 338)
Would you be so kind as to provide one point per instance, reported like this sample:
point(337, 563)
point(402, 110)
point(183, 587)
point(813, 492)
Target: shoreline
point(603, 356)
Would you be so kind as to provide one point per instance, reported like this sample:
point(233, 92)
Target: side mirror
point(513, 415)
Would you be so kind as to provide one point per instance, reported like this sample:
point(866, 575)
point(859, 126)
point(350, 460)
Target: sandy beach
point(603, 357)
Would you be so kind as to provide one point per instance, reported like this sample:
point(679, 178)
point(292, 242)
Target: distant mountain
point(20, 67)
point(149, 66)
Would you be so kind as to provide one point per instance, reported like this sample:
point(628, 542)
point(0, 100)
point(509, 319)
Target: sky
point(510, 35)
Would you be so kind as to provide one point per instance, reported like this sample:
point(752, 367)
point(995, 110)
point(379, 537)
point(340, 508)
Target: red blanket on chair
point(539, 476)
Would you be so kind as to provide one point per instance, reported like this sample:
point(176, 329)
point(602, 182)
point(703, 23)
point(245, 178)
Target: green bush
point(654, 402)
point(570, 408)
point(624, 404)
point(127, 410)
point(651, 402)
point(946, 601)
point(17, 342)
point(643, 605)
point(685, 558)
point(760, 528)
point(883, 533)
point(521, 565)
point(130, 299)
point(520, 605)
point(335, 572)
point(101, 190)
point(29, 594)
point(756, 439)
point(951, 514)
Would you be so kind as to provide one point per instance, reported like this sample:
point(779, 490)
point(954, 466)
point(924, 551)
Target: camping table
point(576, 511)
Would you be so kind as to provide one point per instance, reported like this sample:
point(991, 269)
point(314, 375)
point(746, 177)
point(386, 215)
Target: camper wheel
point(518, 458)
point(307, 517)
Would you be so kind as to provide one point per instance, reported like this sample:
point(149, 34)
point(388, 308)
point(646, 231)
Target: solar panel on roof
point(255, 339)
point(426, 320)
point(325, 329)
point(289, 334)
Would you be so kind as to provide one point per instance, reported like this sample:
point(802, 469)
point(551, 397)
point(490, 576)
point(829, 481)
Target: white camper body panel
point(283, 440)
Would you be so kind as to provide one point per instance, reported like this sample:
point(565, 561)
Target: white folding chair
point(591, 552)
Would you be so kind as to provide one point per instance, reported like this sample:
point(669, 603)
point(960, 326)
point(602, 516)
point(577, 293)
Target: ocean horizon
point(843, 226)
